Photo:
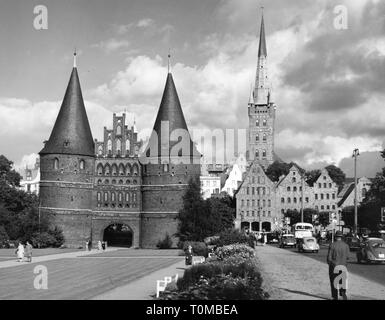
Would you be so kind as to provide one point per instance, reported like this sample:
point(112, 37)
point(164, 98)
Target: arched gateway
point(118, 235)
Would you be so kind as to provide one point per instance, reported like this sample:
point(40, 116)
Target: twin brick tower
point(93, 190)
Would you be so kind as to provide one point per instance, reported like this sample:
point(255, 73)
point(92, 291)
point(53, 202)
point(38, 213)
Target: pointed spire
point(71, 133)
point(170, 114)
point(75, 58)
point(251, 98)
point(169, 61)
point(262, 39)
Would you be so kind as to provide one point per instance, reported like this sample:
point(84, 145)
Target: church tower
point(169, 162)
point(261, 111)
point(67, 167)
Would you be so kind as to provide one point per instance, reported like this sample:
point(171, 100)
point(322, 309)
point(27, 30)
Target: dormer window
point(56, 163)
point(119, 130)
point(82, 165)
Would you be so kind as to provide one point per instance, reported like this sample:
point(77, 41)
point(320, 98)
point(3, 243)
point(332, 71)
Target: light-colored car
point(308, 244)
point(372, 250)
point(287, 240)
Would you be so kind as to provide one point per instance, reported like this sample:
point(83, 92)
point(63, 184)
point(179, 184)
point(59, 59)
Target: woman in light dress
point(20, 252)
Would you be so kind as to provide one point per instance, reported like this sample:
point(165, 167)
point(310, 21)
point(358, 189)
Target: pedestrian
point(89, 245)
point(20, 252)
point(99, 245)
point(338, 255)
point(28, 251)
point(104, 245)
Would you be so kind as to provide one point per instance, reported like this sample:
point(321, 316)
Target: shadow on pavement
point(304, 293)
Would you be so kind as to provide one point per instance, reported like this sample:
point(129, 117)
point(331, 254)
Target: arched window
point(109, 146)
point(120, 197)
point(257, 154)
point(114, 170)
point(295, 200)
point(134, 197)
point(128, 169)
point(166, 167)
point(264, 122)
point(127, 145)
point(82, 165)
point(106, 196)
point(257, 122)
point(118, 146)
point(282, 200)
point(107, 170)
point(99, 169)
point(137, 150)
point(100, 181)
point(99, 197)
point(121, 170)
point(135, 169)
point(257, 137)
point(264, 154)
point(294, 188)
point(127, 197)
point(264, 137)
point(56, 163)
point(113, 197)
point(100, 150)
point(119, 130)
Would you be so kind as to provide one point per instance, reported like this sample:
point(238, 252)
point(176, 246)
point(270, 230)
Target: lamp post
point(356, 153)
point(301, 198)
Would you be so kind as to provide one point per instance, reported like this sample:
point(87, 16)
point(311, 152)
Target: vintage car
point(353, 243)
point(372, 250)
point(308, 244)
point(287, 240)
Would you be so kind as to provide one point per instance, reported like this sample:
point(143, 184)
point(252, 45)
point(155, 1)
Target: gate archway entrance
point(118, 235)
point(266, 226)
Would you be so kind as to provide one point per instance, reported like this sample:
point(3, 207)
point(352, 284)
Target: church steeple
point(71, 133)
point(261, 90)
point(262, 40)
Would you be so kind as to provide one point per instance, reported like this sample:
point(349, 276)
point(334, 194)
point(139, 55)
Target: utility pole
point(301, 198)
point(356, 153)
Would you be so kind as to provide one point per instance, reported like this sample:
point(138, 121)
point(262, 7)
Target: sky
point(328, 83)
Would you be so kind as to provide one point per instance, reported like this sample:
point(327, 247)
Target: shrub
point(193, 274)
point(166, 243)
point(231, 237)
point(241, 251)
point(3, 237)
point(198, 248)
point(44, 240)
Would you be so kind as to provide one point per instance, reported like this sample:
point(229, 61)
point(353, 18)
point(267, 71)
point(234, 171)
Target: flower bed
point(231, 274)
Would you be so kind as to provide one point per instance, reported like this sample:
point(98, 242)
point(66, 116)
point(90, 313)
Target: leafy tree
point(277, 169)
point(295, 215)
point(203, 218)
point(337, 175)
point(19, 213)
point(312, 176)
point(3, 236)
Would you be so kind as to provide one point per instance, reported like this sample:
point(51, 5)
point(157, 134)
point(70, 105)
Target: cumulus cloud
point(111, 45)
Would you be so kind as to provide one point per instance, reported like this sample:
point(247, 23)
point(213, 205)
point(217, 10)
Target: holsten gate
point(106, 190)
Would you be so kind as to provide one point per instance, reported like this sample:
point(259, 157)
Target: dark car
point(372, 250)
point(353, 243)
point(287, 240)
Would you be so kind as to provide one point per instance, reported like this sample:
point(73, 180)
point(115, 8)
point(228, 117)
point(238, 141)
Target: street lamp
point(356, 153)
point(301, 198)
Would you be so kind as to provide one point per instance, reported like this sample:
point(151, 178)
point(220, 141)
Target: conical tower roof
point(71, 133)
point(170, 118)
point(262, 51)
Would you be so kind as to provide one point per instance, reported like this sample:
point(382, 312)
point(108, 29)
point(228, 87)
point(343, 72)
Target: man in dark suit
point(338, 255)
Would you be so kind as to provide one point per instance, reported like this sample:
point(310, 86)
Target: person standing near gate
point(28, 251)
point(338, 255)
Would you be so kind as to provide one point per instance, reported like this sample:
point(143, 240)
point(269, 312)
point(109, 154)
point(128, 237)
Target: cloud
point(111, 45)
point(144, 23)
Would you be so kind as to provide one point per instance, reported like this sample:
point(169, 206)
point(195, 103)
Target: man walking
point(28, 252)
point(338, 255)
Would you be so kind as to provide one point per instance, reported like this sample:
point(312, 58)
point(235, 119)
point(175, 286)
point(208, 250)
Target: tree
point(277, 169)
point(203, 218)
point(337, 175)
point(295, 215)
point(19, 213)
point(312, 176)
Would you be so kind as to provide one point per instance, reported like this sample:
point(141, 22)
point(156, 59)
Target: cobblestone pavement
point(291, 276)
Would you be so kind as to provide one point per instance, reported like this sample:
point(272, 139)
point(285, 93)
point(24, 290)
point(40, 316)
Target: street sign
point(383, 214)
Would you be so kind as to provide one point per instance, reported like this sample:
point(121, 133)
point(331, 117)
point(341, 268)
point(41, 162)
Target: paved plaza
point(84, 275)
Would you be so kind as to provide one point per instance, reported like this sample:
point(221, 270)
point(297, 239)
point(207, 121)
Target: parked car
point(353, 243)
point(372, 250)
point(378, 234)
point(287, 240)
point(308, 244)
